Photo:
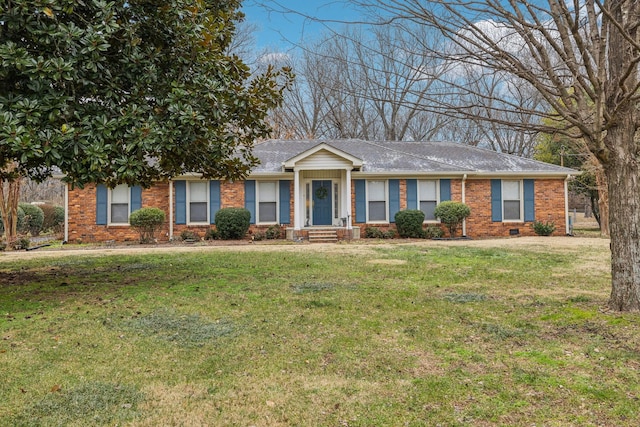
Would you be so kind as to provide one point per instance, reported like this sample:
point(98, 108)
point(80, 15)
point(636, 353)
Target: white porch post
point(348, 199)
point(297, 217)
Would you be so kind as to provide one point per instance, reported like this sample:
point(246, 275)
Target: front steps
point(323, 236)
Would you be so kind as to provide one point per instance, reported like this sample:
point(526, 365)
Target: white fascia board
point(291, 163)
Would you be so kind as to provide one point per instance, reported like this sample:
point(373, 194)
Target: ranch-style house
point(341, 186)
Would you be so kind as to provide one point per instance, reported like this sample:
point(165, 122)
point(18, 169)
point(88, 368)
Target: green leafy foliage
point(377, 233)
point(543, 228)
point(232, 223)
point(33, 219)
point(21, 216)
point(128, 92)
point(53, 217)
point(212, 234)
point(452, 214)
point(147, 221)
point(409, 223)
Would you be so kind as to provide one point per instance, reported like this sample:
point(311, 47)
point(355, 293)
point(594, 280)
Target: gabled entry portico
point(322, 187)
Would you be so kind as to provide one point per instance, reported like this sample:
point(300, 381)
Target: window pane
point(198, 212)
point(267, 191)
point(377, 211)
point(267, 212)
point(377, 191)
point(510, 190)
point(428, 208)
point(198, 191)
point(120, 213)
point(512, 209)
point(427, 190)
point(120, 194)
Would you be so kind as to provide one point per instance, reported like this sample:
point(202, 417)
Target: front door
point(321, 194)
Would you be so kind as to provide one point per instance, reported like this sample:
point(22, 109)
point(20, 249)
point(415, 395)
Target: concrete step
point(323, 236)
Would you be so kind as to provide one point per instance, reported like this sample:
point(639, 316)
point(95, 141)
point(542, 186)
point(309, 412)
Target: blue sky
point(280, 31)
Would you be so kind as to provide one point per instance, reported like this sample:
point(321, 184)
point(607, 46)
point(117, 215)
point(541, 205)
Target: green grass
point(360, 335)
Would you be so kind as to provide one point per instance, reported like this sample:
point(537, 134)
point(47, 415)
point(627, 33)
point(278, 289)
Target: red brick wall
point(549, 206)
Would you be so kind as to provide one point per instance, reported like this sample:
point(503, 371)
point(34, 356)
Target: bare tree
point(582, 59)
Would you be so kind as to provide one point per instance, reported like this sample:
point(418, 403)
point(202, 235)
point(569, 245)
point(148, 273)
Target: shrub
point(212, 234)
point(543, 228)
point(53, 218)
point(433, 232)
point(147, 221)
point(33, 219)
point(259, 236)
point(273, 232)
point(409, 223)
point(189, 235)
point(376, 233)
point(233, 223)
point(22, 242)
point(452, 214)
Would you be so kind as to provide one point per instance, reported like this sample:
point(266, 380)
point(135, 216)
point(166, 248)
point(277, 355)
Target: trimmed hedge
point(409, 223)
point(147, 221)
point(232, 223)
point(451, 214)
point(33, 219)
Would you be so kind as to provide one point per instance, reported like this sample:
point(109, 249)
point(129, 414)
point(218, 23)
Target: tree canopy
point(128, 91)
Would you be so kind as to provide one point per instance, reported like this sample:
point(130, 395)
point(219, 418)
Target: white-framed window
point(119, 204)
point(512, 200)
point(377, 201)
point(267, 202)
point(428, 197)
point(198, 202)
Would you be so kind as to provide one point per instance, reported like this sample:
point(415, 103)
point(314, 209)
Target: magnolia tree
point(127, 91)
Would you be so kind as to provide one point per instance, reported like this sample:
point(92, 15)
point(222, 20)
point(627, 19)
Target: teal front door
point(321, 192)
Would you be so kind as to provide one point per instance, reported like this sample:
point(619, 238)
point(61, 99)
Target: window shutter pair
point(412, 192)
point(529, 200)
point(284, 201)
point(102, 202)
point(181, 201)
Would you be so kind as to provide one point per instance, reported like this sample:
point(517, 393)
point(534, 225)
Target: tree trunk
point(9, 199)
point(622, 172)
point(603, 199)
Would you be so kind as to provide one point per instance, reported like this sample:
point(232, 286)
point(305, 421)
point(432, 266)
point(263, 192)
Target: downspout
point(567, 220)
point(66, 213)
point(464, 199)
point(170, 210)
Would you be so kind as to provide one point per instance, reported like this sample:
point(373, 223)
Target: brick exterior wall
point(549, 206)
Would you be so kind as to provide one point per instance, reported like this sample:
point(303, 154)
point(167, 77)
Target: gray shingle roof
point(399, 156)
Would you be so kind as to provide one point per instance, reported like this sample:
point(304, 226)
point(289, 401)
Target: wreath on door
point(322, 193)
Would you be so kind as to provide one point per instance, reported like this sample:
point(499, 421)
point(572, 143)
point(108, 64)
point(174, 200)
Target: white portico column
point(297, 201)
point(348, 199)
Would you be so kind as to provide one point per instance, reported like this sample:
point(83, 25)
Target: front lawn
point(357, 335)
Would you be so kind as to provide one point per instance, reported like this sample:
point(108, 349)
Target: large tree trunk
point(9, 199)
point(623, 172)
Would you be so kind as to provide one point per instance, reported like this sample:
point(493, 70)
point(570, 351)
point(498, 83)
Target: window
point(119, 205)
point(428, 198)
point(267, 202)
point(198, 201)
point(511, 200)
point(377, 201)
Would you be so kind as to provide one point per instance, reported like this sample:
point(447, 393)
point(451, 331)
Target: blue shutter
point(394, 198)
point(496, 200)
point(412, 194)
point(285, 202)
point(214, 200)
point(136, 198)
point(361, 200)
point(250, 199)
point(102, 195)
point(529, 201)
point(181, 201)
point(445, 190)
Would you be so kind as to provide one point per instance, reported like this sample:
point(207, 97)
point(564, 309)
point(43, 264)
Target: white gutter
point(66, 213)
point(170, 209)
point(464, 199)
